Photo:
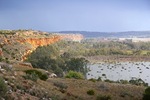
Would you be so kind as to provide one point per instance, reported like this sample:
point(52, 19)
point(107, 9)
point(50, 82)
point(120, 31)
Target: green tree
point(43, 57)
point(77, 64)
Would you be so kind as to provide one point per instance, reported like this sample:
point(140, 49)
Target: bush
point(146, 95)
point(123, 81)
point(99, 79)
point(90, 92)
point(74, 74)
point(60, 85)
point(44, 77)
point(3, 87)
point(39, 73)
point(101, 97)
point(32, 76)
point(137, 81)
point(35, 74)
point(92, 79)
point(109, 81)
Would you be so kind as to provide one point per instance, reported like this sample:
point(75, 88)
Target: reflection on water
point(118, 71)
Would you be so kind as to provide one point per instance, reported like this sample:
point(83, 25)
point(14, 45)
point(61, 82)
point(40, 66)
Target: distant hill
point(127, 34)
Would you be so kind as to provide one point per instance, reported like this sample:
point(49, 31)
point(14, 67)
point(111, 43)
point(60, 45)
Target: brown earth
point(65, 89)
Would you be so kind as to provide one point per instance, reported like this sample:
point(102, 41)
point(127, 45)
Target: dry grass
point(79, 88)
point(67, 89)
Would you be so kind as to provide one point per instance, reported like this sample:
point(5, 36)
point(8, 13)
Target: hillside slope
point(19, 86)
point(15, 45)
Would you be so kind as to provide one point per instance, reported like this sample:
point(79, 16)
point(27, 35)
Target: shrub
point(32, 76)
point(103, 97)
point(60, 85)
point(90, 92)
point(74, 74)
point(109, 81)
point(99, 79)
point(146, 95)
point(3, 87)
point(35, 74)
point(39, 73)
point(123, 81)
point(137, 81)
point(92, 79)
point(44, 77)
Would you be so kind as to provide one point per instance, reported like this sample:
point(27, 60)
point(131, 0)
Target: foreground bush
point(3, 88)
point(146, 95)
point(92, 79)
point(35, 74)
point(32, 76)
point(90, 92)
point(103, 97)
point(74, 74)
point(60, 85)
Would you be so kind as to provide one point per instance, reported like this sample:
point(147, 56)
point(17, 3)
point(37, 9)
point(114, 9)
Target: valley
point(85, 67)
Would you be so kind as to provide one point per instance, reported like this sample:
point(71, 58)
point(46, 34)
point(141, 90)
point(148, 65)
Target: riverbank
point(118, 58)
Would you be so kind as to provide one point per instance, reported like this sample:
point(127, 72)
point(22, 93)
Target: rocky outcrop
point(35, 42)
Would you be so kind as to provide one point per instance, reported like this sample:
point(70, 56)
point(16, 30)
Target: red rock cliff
point(35, 42)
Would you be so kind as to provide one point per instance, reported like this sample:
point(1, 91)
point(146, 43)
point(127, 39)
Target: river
point(120, 70)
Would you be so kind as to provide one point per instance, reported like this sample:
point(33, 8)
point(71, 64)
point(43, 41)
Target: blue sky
point(75, 15)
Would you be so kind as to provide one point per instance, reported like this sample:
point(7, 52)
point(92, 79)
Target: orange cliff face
point(35, 42)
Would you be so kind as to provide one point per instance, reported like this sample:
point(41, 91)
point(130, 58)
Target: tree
point(77, 64)
point(43, 57)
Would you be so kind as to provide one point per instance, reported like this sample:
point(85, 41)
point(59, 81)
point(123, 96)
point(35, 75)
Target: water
point(121, 70)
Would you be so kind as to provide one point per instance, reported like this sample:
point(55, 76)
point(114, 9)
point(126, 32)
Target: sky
point(76, 15)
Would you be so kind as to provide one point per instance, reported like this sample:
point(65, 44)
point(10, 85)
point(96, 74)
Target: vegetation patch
point(103, 97)
point(90, 92)
point(35, 74)
point(93, 80)
point(146, 95)
point(74, 74)
point(3, 88)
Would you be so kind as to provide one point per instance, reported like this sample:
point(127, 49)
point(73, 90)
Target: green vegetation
point(49, 58)
point(74, 74)
point(3, 88)
point(90, 92)
point(146, 95)
point(10, 32)
point(60, 85)
point(91, 48)
point(93, 80)
point(35, 74)
point(103, 97)
point(137, 81)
